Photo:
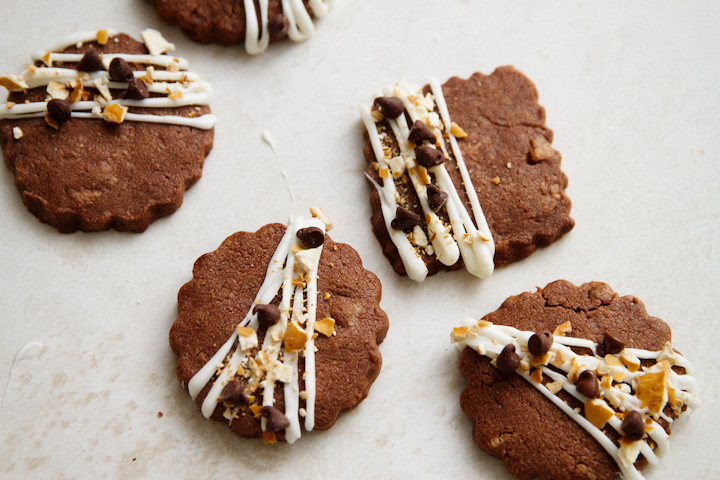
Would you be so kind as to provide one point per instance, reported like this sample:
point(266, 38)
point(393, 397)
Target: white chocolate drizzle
point(448, 242)
point(297, 282)
point(300, 23)
point(180, 88)
point(618, 387)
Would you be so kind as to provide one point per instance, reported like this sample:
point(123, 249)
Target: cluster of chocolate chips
point(234, 394)
point(508, 361)
point(61, 110)
point(426, 156)
point(120, 71)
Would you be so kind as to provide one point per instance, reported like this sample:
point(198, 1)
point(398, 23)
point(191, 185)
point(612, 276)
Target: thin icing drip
point(448, 242)
point(618, 384)
point(268, 139)
point(181, 87)
point(28, 350)
point(273, 363)
point(300, 23)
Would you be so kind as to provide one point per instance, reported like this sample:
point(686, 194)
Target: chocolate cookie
point(278, 325)
point(105, 132)
point(427, 146)
point(236, 21)
point(573, 382)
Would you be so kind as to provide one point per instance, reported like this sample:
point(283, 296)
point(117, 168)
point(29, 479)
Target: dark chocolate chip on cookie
point(573, 410)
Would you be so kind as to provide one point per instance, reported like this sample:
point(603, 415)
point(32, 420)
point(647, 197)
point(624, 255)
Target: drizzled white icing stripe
point(185, 87)
point(616, 389)
point(298, 306)
point(300, 23)
point(461, 237)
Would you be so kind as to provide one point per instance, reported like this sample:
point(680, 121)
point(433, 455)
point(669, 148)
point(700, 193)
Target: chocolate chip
point(391, 107)
point(234, 393)
point(59, 110)
point(609, 345)
point(119, 70)
point(436, 197)
point(420, 132)
point(311, 237)
point(136, 90)
point(267, 315)
point(90, 62)
point(508, 361)
point(633, 425)
point(540, 343)
point(428, 156)
point(276, 421)
point(588, 384)
point(278, 25)
point(405, 219)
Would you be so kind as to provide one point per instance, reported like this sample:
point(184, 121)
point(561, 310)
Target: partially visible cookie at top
point(573, 382)
point(464, 173)
point(103, 131)
point(278, 330)
point(249, 22)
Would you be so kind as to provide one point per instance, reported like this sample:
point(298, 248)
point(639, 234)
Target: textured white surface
point(631, 92)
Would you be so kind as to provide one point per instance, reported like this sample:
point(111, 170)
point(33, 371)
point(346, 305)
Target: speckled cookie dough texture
point(477, 145)
point(573, 383)
point(278, 330)
point(105, 132)
point(250, 22)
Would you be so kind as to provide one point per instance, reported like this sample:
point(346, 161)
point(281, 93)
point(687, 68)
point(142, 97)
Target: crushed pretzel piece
point(318, 213)
point(114, 113)
point(555, 386)
point(651, 390)
point(537, 375)
point(613, 360)
point(459, 333)
point(57, 90)
point(256, 410)
point(597, 412)
point(102, 37)
point(295, 337)
point(13, 83)
point(563, 329)
point(457, 131)
point(326, 326)
point(155, 42)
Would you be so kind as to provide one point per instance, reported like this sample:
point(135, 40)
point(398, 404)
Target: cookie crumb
point(17, 133)
point(496, 180)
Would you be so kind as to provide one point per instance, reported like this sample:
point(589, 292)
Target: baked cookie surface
point(491, 133)
point(255, 24)
point(104, 131)
point(318, 360)
point(572, 382)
